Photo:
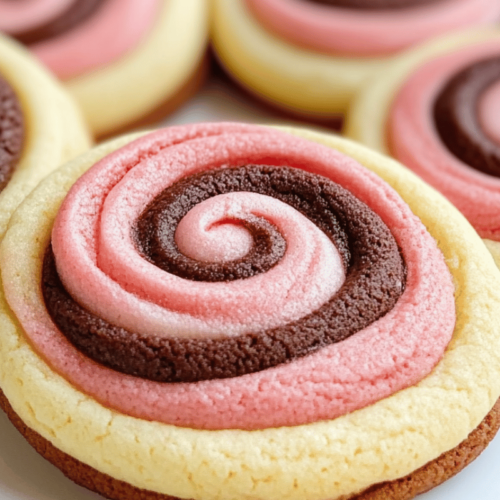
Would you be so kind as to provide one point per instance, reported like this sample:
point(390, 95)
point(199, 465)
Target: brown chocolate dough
point(12, 131)
point(456, 116)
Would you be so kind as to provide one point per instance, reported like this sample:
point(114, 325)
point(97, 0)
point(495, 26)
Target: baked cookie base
point(427, 477)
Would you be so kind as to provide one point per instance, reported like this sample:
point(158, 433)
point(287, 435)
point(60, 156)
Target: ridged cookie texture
point(54, 131)
point(312, 57)
point(119, 77)
point(370, 401)
point(434, 110)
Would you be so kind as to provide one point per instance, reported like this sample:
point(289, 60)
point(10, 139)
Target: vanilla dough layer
point(368, 118)
point(323, 460)
point(55, 131)
point(157, 69)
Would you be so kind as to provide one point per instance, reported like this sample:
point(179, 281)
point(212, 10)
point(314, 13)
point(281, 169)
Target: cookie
point(312, 57)
point(434, 110)
point(40, 126)
point(122, 77)
point(140, 341)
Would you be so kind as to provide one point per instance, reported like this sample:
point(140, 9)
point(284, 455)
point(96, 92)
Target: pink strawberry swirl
point(361, 33)
point(414, 140)
point(394, 352)
point(92, 44)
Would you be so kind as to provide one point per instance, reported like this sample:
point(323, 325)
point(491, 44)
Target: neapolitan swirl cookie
point(223, 311)
point(40, 126)
point(312, 56)
point(436, 110)
point(127, 62)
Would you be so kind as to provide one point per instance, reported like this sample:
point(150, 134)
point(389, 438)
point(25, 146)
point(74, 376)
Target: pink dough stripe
point(97, 42)
point(392, 353)
point(20, 16)
point(362, 33)
point(415, 142)
point(212, 230)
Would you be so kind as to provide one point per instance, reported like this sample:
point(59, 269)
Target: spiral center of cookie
point(220, 229)
point(466, 131)
point(11, 132)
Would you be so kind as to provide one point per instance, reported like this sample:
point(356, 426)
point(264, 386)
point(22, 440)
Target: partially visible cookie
point(138, 335)
point(312, 57)
point(40, 126)
point(435, 110)
point(125, 61)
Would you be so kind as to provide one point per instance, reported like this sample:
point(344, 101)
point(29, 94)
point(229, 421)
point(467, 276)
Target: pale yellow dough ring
point(369, 114)
point(55, 131)
point(319, 461)
point(301, 80)
point(141, 81)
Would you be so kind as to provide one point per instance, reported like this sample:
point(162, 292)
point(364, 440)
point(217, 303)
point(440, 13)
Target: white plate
point(24, 475)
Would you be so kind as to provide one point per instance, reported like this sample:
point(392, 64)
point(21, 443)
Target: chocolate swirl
point(376, 4)
point(11, 131)
point(78, 12)
point(455, 116)
point(375, 276)
point(155, 233)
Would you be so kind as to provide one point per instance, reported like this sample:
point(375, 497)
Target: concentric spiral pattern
point(368, 28)
point(314, 327)
point(444, 125)
point(11, 131)
point(374, 281)
point(73, 36)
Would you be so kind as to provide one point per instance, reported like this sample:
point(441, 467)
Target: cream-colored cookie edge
point(301, 80)
point(494, 248)
point(55, 131)
point(142, 80)
point(317, 461)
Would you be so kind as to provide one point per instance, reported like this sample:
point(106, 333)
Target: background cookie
point(205, 460)
point(432, 110)
point(120, 77)
point(40, 126)
point(312, 58)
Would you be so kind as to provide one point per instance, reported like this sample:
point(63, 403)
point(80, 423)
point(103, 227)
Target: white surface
point(24, 475)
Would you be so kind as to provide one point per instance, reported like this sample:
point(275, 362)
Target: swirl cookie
point(122, 77)
point(40, 127)
point(311, 57)
point(435, 111)
point(142, 354)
